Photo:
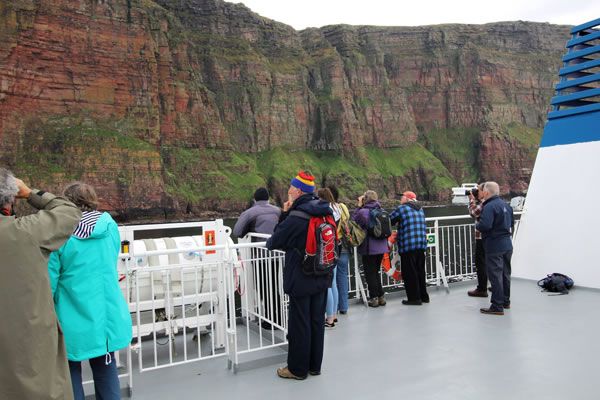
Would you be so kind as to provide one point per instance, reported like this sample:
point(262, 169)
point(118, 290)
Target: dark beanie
point(261, 194)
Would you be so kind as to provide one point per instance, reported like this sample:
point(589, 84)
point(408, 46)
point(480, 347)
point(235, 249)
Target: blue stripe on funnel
point(579, 128)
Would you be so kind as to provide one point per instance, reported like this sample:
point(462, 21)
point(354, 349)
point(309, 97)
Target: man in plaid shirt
point(412, 244)
point(475, 208)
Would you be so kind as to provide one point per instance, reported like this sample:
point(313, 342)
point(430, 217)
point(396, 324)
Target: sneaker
point(382, 301)
point(374, 302)
point(284, 372)
point(490, 311)
point(412, 302)
point(329, 325)
point(477, 293)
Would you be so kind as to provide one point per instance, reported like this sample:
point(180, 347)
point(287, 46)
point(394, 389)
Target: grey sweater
point(260, 218)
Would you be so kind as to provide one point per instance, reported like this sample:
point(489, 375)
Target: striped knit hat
point(304, 182)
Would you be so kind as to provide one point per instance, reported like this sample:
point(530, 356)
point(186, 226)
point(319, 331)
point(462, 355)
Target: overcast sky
point(301, 14)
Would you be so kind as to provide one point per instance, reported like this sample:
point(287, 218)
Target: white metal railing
point(450, 256)
point(192, 302)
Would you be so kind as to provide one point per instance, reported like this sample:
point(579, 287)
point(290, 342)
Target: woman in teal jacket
point(89, 303)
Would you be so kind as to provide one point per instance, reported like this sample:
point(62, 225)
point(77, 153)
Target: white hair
point(492, 188)
point(8, 187)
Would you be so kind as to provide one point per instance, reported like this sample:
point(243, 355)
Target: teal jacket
point(89, 303)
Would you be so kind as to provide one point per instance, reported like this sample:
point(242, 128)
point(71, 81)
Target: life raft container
point(389, 266)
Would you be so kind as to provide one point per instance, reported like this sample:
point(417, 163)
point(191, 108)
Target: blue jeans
point(106, 378)
point(342, 279)
point(332, 297)
point(499, 269)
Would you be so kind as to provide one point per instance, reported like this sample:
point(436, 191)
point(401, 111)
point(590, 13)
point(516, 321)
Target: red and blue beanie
point(304, 182)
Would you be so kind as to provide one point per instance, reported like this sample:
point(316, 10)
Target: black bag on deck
point(556, 283)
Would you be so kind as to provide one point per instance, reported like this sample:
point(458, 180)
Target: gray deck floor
point(544, 347)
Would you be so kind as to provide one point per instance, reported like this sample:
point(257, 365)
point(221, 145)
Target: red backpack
point(321, 253)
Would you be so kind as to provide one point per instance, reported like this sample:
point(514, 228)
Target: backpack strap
point(300, 214)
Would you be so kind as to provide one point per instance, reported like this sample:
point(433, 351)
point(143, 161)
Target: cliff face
point(181, 107)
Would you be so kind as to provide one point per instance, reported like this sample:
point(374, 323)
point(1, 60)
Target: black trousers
point(413, 274)
point(372, 265)
point(482, 275)
point(306, 333)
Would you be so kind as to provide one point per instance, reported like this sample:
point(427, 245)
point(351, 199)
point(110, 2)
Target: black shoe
point(412, 302)
point(425, 301)
point(335, 321)
point(329, 326)
point(314, 373)
point(491, 311)
point(343, 312)
point(507, 307)
point(490, 288)
point(477, 293)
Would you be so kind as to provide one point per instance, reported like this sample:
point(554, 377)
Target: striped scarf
point(86, 224)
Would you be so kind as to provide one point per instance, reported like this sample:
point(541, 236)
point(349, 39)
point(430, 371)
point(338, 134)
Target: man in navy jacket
point(496, 226)
point(307, 293)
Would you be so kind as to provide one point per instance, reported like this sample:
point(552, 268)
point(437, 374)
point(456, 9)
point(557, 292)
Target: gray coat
point(262, 217)
point(34, 361)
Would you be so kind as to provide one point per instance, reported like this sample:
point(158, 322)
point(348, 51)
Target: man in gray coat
point(34, 361)
point(262, 217)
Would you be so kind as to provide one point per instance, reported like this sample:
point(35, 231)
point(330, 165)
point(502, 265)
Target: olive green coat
point(34, 361)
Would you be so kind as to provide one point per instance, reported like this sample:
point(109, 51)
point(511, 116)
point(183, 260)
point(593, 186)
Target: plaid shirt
point(412, 230)
point(475, 208)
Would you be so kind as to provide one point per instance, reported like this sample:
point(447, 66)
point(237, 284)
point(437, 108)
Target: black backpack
point(326, 255)
point(556, 283)
point(380, 226)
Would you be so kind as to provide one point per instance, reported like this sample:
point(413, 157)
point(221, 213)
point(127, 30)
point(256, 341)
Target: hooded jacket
point(290, 236)
point(34, 363)
point(85, 284)
point(370, 246)
point(412, 228)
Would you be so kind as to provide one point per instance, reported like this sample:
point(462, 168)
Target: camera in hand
point(474, 192)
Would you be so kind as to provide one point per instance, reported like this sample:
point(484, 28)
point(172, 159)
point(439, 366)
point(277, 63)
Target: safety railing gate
point(260, 322)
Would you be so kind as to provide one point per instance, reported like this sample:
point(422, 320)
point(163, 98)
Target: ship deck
point(543, 347)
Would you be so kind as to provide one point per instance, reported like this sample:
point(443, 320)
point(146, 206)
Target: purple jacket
point(370, 246)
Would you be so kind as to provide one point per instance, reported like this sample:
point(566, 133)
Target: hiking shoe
point(477, 293)
point(329, 325)
point(374, 302)
point(412, 302)
point(491, 311)
point(382, 301)
point(284, 372)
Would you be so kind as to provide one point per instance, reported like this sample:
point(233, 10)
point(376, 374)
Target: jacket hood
point(414, 205)
point(317, 208)
point(373, 204)
point(99, 227)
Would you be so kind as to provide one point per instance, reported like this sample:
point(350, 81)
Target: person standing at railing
point(412, 245)
point(371, 249)
point(475, 208)
point(34, 361)
point(341, 276)
point(307, 293)
point(496, 225)
point(332, 292)
point(89, 303)
point(262, 217)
